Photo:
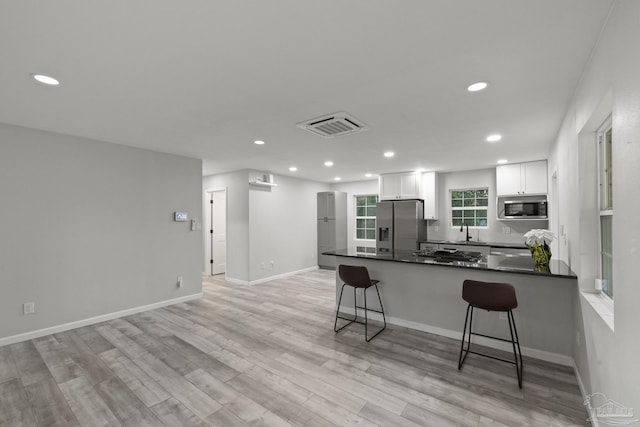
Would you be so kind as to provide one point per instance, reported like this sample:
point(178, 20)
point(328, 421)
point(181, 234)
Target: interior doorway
point(216, 226)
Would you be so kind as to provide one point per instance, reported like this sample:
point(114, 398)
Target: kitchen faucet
point(462, 228)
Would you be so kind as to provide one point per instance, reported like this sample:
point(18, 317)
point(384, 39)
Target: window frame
point(366, 217)
point(604, 158)
point(451, 208)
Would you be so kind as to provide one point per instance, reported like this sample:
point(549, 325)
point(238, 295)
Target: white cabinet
point(534, 177)
point(430, 195)
point(522, 178)
point(396, 186)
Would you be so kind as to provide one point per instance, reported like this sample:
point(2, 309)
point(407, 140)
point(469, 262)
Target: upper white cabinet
point(534, 177)
point(522, 178)
point(396, 186)
point(430, 195)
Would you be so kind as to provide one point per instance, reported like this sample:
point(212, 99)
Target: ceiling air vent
point(333, 125)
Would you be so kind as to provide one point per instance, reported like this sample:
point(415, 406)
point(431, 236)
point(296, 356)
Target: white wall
point(283, 227)
point(606, 361)
point(267, 224)
point(87, 228)
point(481, 178)
point(357, 188)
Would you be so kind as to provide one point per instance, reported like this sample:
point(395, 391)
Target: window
point(366, 217)
point(469, 207)
point(605, 189)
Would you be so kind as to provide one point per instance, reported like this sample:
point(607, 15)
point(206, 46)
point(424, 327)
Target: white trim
point(356, 217)
point(283, 275)
point(583, 392)
point(236, 281)
point(602, 305)
point(547, 356)
point(270, 278)
point(92, 320)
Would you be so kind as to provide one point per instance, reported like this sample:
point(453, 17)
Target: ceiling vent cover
point(333, 125)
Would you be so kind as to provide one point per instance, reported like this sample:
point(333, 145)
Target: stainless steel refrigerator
point(400, 226)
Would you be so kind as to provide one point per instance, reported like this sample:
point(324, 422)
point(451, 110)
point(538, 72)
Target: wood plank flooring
point(267, 355)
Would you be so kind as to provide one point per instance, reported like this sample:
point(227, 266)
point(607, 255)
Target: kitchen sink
point(462, 242)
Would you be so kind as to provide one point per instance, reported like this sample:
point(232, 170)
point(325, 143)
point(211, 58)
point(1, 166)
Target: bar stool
point(491, 297)
point(358, 277)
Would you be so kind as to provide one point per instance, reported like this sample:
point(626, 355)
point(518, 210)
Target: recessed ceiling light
point(328, 163)
point(258, 142)
point(337, 178)
point(368, 175)
point(502, 161)
point(389, 154)
point(475, 87)
point(494, 138)
point(293, 169)
point(48, 80)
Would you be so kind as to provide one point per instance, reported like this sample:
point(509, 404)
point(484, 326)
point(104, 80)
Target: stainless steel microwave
point(525, 209)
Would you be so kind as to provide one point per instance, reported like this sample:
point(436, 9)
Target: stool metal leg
point(381, 311)
point(355, 318)
point(515, 343)
point(335, 325)
point(366, 320)
point(384, 319)
point(464, 332)
point(516, 356)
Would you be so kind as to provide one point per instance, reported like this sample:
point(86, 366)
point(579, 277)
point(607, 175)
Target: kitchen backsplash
point(499, 231)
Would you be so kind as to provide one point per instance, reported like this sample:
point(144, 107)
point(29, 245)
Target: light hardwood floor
point(267, 355)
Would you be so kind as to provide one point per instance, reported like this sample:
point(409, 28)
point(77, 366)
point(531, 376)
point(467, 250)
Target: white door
point(218, 232)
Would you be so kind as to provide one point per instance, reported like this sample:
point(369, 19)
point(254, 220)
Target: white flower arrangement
point(538, 236)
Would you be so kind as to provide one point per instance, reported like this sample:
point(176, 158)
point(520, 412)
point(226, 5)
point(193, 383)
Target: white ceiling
point(206, 78)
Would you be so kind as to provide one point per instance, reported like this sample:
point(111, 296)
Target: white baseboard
point(583, 392)
point(547, 356)
point(92, 320)
point(270, 278)
point(235, 281)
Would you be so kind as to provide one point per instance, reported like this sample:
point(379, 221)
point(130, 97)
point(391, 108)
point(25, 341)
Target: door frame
point(208, 236)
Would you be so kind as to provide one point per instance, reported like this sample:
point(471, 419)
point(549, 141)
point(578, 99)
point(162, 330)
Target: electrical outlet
point(503, 316)
point(179, 281)
point(28, 308)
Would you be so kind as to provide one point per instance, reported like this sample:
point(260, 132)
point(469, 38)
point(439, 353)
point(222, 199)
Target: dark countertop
point(474, 243)
point(501, 263)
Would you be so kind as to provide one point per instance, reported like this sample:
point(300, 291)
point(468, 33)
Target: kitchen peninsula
point(424, 293)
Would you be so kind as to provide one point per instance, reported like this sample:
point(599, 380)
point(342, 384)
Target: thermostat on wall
point(180, 216)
